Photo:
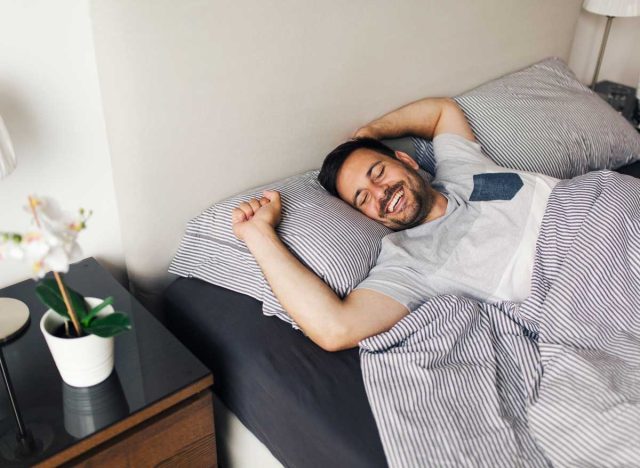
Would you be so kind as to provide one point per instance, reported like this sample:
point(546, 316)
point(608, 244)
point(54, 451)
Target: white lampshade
point(7, 156)
point(613, 7)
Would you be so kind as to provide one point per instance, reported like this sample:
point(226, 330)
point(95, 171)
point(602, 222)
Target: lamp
point(610, 9)
point(7, 156)
point(13, 311)
point(15, 314)
point(14, 320)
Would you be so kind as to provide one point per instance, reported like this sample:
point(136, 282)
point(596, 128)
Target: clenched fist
point(364, 132)
point(376, 129)
point(252, 214)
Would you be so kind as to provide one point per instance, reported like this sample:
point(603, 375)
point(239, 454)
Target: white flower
point(53, 245)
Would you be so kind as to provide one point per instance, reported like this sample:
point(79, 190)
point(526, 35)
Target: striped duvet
point(554, 381)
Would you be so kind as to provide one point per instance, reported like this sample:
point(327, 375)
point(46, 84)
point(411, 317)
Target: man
point(472, 232)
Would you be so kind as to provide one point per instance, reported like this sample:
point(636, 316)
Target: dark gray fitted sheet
point(306, 405)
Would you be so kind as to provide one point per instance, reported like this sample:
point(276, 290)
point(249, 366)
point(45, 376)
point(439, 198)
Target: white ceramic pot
point(84, 361)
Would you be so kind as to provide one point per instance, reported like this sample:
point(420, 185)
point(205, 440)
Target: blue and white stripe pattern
point(335, 241)
point(554, 381)
point(542, 119)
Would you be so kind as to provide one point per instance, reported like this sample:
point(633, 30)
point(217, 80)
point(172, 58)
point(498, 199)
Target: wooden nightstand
point(155, 409)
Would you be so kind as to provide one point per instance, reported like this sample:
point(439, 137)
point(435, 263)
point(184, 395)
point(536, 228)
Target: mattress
point(308, 406)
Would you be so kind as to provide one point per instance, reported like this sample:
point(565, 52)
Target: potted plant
point(79, 331)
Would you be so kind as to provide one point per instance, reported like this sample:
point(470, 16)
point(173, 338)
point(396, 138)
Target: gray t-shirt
point(482, 247)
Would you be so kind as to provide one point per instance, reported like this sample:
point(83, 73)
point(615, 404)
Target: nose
point(379, 192)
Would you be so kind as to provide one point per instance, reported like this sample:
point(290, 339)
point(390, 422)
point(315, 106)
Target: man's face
point(385, 189)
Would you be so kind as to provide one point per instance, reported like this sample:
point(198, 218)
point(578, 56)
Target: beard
point(419, 199)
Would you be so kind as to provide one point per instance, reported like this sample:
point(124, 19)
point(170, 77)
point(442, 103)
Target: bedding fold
point(553, 381)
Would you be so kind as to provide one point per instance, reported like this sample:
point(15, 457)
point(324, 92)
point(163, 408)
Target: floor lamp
point(610, 9)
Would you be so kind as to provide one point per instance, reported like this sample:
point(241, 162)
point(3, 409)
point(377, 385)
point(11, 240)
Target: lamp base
point(19, 445)
point(14, 318)
point(16, 450)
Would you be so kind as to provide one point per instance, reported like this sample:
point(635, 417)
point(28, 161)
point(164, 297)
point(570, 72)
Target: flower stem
point(32, 206)
point(67, 302)
point(63, 291)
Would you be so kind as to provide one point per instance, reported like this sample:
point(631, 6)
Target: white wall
point(50, 101)
point(621, 62)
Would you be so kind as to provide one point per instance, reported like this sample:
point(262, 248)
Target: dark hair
point(334, 160)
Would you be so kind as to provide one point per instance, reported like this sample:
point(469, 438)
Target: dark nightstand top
point(622, 98)
point(150, 365)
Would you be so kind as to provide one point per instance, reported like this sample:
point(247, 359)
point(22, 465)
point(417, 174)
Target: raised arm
point(425, 118)
point(331, 322)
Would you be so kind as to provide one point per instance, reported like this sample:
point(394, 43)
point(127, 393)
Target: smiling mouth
point(397, 202)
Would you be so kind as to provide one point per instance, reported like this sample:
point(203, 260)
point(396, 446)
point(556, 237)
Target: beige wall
point(50, 101)
point(621, 61)
point(207, 98)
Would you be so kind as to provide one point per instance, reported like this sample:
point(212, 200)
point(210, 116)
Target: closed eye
point(363, 199)
point(377, 166)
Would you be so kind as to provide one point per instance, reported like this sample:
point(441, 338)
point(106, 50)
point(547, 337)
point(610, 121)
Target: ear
point(406, 159)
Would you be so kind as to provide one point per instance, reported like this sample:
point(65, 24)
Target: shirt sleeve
point(395, 278)
point(383, 287)
point(450, 148)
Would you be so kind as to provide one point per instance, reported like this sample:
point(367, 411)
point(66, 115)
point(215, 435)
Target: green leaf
point(109, 325)
point(77, 302)
point(48, 292)
point(10, 236)
point(93, 312)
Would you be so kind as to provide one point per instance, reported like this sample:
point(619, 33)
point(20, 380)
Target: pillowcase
point(542, 119)
point(335, 241)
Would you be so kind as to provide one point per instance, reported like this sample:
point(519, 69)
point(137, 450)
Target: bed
point(307, 406)
point(310, 407)
point(224, 99)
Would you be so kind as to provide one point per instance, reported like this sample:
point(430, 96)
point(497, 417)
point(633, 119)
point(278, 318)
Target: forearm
point(419, 118)
point(310, 302)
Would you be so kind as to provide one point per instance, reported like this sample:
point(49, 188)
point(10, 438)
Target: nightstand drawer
point(181, 436)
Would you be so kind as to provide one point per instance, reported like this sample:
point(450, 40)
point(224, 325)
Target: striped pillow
point(542, 119)
point(335, 241)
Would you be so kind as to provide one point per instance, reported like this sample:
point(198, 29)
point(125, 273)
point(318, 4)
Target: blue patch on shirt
point(495, 186)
